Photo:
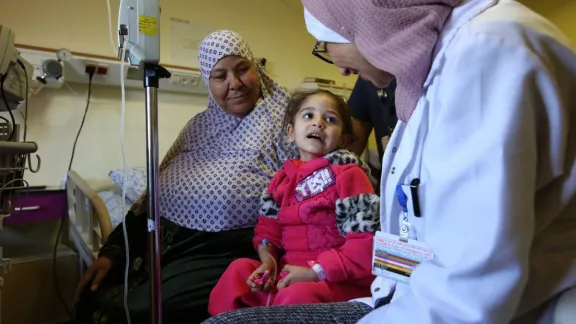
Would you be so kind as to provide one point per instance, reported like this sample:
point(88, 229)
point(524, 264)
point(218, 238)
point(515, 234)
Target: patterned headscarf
point(225, 43)
point(395, 36)
point(212, 177)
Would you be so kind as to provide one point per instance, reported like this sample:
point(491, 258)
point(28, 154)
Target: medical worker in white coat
point(479, 178)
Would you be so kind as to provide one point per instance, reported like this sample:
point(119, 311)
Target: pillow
point(115, 206)
point(136, 182)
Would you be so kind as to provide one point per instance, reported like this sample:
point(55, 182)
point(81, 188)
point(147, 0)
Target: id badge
point(396, 259)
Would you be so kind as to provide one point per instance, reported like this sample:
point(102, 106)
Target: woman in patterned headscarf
point(210, 183)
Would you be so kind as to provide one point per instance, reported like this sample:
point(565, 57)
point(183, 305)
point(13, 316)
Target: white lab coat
point(493, 142)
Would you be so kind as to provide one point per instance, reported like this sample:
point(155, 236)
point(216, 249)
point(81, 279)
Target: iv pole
point(152, 74)
point(139, 27)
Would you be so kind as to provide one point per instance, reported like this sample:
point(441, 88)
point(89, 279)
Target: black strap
point(383, 301)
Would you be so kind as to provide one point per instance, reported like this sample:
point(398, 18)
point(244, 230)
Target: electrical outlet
point(102, 69)
point(185, 81)
point(194, 80)
point(175, 79)
point(91, 67)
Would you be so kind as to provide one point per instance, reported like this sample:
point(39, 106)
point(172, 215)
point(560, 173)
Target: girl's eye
point(307, 115)
point(332, 119)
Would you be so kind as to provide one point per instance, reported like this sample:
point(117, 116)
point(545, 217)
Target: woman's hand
point(266, 267)
point(297, 274)
point(93, 275)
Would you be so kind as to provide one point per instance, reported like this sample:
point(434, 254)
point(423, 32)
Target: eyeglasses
point(320, 52)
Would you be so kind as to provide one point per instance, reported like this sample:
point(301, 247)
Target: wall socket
point(99, 68)
point(185, 80)
point(102, 69)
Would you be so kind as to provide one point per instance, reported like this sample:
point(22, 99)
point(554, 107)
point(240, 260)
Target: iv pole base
point(152, 75)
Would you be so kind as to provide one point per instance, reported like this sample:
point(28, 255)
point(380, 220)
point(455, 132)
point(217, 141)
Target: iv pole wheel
point(152, 74)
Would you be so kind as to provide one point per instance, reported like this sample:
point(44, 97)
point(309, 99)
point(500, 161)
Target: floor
point(29, 285)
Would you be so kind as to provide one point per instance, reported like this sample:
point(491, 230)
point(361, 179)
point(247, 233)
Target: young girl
point(319, 214)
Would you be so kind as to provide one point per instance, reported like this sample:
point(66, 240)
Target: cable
point(25, 115)
point(61, 228)
point(27, 97)
point(70, 88)
point(124, 182)
point(83, 120)
point(8, 109)
point(123, 153)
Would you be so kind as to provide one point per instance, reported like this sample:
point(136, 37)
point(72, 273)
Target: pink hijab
point(395, 36)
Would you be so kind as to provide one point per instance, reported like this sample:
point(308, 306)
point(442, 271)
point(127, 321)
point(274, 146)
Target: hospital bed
point(95, 210)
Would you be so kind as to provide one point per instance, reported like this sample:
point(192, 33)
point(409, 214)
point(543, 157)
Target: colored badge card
point(395, 259)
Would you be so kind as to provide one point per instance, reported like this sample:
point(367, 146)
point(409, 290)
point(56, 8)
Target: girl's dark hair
point(299, 97)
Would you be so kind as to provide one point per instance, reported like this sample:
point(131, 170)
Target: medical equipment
point(51, 72)
point(7, 51)
point(139, 42)
point(14, 71)
point(51, 69)
point(15, 157)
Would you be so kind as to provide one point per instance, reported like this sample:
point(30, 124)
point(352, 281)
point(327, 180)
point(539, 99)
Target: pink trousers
point(231, 292)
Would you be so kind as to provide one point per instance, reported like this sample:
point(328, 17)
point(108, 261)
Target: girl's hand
point(297, 274)
point(265, 267)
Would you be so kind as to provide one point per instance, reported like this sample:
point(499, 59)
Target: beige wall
point(274, 29)
point(560, 12)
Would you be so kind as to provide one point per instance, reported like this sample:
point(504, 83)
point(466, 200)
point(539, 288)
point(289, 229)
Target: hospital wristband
point(318, 269)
